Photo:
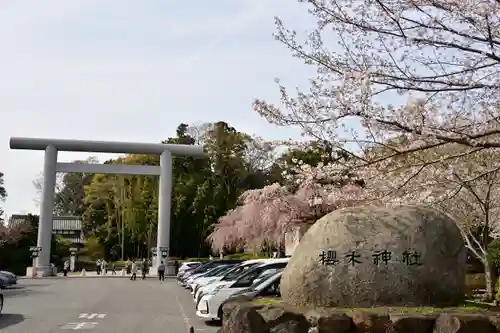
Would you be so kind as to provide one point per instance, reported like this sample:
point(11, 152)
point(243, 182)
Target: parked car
point(205, 267)
point(231, 275)
point(1, 302)
point(190, 281)
point(188, 265)
point(254, 271)
point(4, 281)
point(268, 288)
point(210, 305)
point(11, 277)
point(219, 271)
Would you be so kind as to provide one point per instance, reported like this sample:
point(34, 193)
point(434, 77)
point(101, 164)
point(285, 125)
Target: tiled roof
point(17, 219)
point(66, 223)
point(58, 222)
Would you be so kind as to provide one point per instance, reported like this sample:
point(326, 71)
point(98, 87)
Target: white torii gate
point(51, 167)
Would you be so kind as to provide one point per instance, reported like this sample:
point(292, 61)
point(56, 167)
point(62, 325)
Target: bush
point(87, 264)
point(245, 256)
point(195, 259)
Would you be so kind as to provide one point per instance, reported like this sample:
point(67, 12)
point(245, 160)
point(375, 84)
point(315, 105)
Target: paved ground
point(115, 305)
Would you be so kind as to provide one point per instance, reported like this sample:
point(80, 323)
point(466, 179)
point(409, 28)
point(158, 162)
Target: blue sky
point(132, 71)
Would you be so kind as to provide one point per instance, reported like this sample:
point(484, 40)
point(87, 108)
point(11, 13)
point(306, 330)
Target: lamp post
point(72, 258)
point(35, 250)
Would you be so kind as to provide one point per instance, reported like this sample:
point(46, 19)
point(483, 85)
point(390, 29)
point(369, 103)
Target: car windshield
point(217, 270)
point(237, 272)
point(203, 268)
point(208, 271)
point(247, 279)
point(264, 278)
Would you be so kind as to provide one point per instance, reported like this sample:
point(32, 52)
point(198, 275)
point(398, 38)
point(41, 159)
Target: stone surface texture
point(283, 318)
point(432, 274)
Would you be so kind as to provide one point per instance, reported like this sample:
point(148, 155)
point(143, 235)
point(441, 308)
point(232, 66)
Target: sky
point(132, 71)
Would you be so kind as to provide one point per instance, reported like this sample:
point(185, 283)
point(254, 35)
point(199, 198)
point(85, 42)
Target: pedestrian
point(145, 268)
point(98, 266)
point(113, 269)
point(66, 268)
point(176, 263)
point(104, 267)
point(128, 267)
point(161, 271)
point(134, 270)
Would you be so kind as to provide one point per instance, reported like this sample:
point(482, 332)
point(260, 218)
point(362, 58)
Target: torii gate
point(51, 167)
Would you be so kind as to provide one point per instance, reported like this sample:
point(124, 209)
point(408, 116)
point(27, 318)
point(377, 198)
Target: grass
point(471, 307)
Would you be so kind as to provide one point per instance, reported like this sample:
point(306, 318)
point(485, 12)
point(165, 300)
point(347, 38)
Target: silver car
point(11, 277)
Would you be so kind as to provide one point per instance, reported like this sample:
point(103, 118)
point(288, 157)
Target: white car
point(230, 275)
point(193, 277)
point(188, 265)
point(217, 271)
point(210, 305)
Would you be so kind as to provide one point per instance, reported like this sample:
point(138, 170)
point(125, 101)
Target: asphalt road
point(106, 305)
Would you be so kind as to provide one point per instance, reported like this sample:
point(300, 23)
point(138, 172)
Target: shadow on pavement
point(213, 323)
point(9, 319)
point(18, 290)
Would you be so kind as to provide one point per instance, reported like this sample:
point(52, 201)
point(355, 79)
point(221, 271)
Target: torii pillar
point(51, 167)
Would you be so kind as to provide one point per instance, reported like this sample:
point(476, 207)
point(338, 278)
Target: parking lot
point(99, 305)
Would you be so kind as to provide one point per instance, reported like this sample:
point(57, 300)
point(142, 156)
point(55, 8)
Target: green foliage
point(59, 251)
point(497, 290)
point(120, 212)
point(494, 252)
point(93, 249)
point(196, 259)
point(245, 256)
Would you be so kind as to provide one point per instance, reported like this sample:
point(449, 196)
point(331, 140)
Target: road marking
point(183, 313)
point(79, 326)
point(92, 315)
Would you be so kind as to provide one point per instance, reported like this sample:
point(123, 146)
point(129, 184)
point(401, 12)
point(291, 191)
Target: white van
point(210, 305)
point(232, 276)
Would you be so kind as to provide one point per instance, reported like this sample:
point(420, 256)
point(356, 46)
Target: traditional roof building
point(17, 219)
point(69, 227)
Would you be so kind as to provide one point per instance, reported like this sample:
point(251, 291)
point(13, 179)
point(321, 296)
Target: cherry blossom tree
point(457, 186)
point(307, 194)
point(424, 70)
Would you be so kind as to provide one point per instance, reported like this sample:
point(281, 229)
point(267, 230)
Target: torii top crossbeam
point(104, 146)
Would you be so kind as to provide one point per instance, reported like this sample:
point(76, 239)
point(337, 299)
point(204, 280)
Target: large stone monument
point(373, 256)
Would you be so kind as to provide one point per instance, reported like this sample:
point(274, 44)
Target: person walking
point(104, 267)
point(134, 270)
point(161, 271)
point(113, 269)
point(66, 268)
point(145, 268)
point(98, 266)
point(128, 267)
point(176, 263)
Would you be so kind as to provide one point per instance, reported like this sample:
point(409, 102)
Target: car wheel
point(220, 314)
point(1, 304)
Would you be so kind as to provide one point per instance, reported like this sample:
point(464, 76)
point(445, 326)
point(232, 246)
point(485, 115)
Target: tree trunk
point(491, 278)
